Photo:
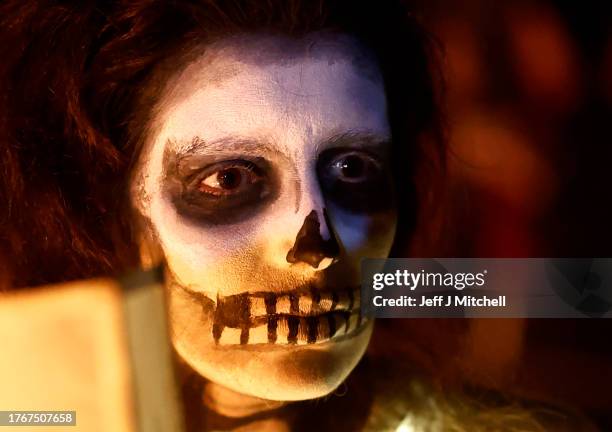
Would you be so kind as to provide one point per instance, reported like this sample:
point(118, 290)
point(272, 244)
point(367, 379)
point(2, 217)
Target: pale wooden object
point(65, 348)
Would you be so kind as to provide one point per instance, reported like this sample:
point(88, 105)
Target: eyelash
point(219, 166)
point(245, 171)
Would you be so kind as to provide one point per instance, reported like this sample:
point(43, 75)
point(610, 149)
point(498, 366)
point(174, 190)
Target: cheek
point(204, 259)
point(362, 235)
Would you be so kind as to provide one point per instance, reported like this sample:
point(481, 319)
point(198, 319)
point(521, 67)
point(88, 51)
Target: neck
point(229, 403)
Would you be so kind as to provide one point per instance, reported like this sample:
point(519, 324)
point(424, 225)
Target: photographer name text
point(448, 300)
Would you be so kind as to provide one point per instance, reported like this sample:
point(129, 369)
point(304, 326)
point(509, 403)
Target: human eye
point(354, 167)
point(356, 180)
point(226, 191)
point(230, 178)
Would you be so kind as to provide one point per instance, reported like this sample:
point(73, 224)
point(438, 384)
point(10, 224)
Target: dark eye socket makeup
point(221, 192)
point(356, 180)
point(217, 191)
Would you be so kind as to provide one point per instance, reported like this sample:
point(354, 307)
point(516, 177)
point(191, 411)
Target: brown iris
point(352, 167)
point(228, 181)
point(229, 178)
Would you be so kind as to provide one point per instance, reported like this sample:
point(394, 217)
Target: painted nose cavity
point(310, 247)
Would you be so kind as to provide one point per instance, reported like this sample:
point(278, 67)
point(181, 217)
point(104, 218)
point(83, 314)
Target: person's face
point(264, 180)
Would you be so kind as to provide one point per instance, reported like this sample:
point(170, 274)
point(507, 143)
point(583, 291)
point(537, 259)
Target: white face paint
point(265, 181)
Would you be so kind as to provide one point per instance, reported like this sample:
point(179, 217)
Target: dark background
point(529, 103)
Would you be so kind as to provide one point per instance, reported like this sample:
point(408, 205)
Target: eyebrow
point(199, 146)
point(250, 145)
point(356, 138)
point(179, 160)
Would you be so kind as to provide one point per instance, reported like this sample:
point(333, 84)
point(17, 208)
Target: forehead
point(284, 91)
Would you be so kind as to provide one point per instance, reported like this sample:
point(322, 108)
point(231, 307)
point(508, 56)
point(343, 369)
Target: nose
point(310, 247)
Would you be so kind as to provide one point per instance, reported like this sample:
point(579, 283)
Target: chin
point(285, 351)
point(277, 372)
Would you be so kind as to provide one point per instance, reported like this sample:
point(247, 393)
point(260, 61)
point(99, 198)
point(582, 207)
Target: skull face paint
point(264, 180)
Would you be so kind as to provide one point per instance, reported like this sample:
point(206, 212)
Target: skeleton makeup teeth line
point(280, 318)
point(251, 306)
point(291, 330)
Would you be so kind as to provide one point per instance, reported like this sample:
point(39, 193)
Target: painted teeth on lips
point(286, 318)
